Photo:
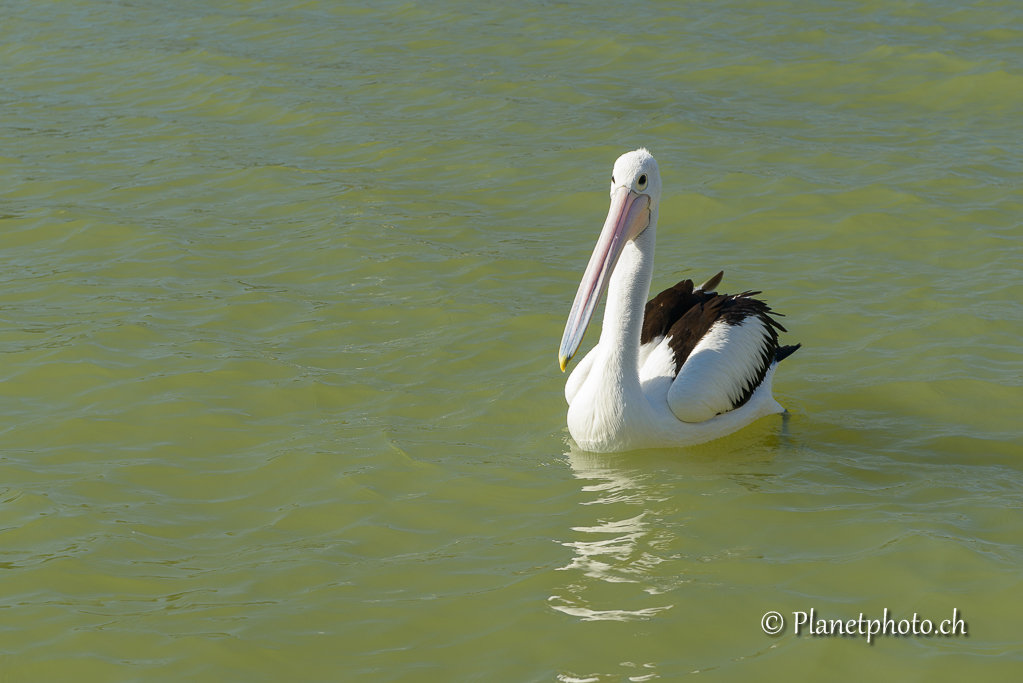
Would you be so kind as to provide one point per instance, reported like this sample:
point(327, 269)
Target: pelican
point(687, 367)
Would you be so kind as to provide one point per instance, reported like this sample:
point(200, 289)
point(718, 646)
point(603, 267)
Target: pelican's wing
point(722, 350)
point(656, 360)
point(665, 309)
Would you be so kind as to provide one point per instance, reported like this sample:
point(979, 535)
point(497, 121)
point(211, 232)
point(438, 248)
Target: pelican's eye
point(641, 184)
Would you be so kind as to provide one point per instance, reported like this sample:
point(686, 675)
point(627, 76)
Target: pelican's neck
point(626, 300)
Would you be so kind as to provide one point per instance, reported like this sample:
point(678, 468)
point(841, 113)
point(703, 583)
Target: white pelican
point(689, 366)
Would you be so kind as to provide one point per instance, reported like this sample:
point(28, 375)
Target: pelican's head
point(636, 172)
point(635, 194)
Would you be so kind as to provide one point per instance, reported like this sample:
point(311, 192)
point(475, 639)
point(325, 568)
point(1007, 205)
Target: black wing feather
point(685, 315)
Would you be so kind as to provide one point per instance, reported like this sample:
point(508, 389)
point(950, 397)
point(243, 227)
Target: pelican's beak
point(628, 216)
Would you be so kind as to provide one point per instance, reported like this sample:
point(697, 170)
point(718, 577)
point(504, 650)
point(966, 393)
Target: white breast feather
point(723, 364)
point(657, 368)
point(579, 375)
point(655, 359)
point(646, 349)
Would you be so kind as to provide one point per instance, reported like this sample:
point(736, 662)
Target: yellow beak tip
point(564, 362)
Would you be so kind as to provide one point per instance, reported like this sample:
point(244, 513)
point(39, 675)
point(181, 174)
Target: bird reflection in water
point(620, 550)
point(635, 543)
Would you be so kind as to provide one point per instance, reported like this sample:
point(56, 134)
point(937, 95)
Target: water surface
point(281, 291)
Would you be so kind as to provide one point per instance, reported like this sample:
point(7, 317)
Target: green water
point(281, 292)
